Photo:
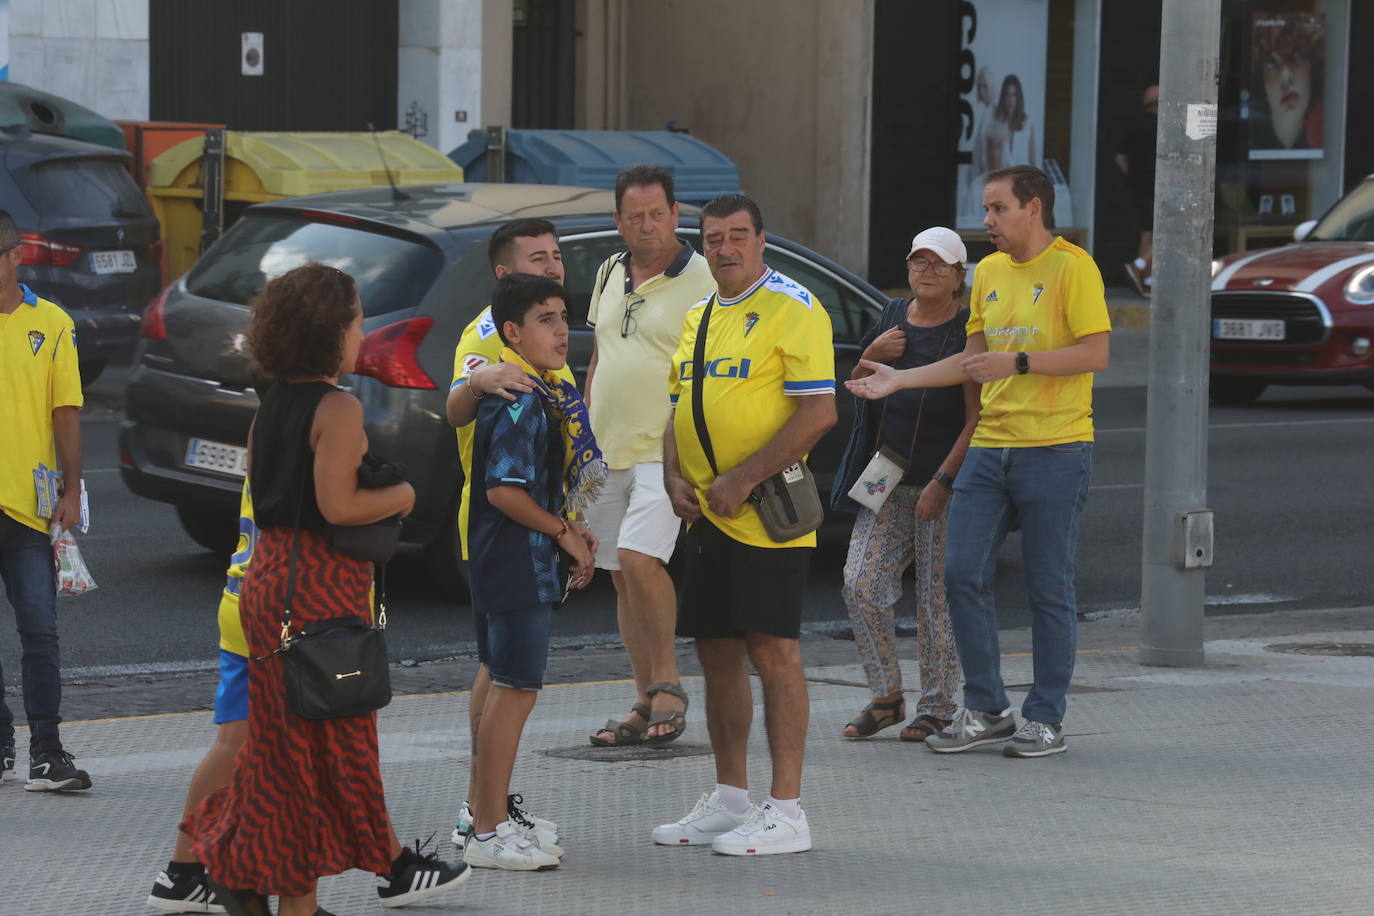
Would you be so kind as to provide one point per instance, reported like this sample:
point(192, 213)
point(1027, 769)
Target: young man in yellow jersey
point(524, 246)
point(639, 301)
point(1038, 329)
point(40, 412)
point(767, 394)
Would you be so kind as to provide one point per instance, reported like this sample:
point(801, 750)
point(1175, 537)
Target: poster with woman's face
point(1287, 76)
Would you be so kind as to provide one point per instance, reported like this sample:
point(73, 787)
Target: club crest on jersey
point(992, 296)
point(36, 339)
point(751, 319)
point(1036, 290)
point(486, 326)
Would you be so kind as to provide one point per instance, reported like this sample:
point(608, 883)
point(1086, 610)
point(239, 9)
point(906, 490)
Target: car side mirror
point(1303, 230)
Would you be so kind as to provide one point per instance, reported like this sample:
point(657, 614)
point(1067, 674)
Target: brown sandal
point(677, 718)
point(922, 727)
point(625, 733)
point(867, 724)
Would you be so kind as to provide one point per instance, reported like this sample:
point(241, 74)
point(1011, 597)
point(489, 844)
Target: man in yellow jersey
point(639, 301)
point(1037, 331)
point(40, 412)
point(767, 394)
point(525, 246)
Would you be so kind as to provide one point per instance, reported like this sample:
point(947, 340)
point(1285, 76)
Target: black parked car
point(422, 273)
point(90, 240)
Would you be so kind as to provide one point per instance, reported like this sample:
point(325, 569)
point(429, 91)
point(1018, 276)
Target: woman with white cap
point(898, 469)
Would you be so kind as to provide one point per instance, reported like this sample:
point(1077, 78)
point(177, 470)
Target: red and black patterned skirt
point(306, 796)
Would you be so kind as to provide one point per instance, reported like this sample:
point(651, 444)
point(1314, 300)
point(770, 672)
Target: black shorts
point(731, 589)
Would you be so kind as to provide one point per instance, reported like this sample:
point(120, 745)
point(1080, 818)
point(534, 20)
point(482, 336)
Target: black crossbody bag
point(788, 503)
point(337, 667)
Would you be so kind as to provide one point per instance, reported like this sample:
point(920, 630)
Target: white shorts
point(634, 513)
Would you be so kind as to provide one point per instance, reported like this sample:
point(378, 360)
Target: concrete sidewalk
point(1237, 788)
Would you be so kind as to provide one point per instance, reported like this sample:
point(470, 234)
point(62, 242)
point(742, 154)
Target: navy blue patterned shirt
point(517, 444)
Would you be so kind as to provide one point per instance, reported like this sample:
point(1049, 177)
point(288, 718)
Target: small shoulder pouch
point(886, 468)
point(788, 503)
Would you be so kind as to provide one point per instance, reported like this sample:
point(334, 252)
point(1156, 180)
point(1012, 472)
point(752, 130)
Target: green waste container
point(45, 113)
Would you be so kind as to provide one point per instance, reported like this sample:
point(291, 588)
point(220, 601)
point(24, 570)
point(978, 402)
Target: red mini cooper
point(1302, 314)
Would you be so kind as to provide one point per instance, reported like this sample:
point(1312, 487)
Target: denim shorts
point(514, 645)
point(231, 696)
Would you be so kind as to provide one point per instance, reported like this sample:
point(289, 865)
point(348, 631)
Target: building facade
point(854, 122)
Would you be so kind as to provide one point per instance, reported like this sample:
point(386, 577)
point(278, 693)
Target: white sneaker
point(767, 833)
point(548, 829)
point(510, 849)
point(706, 821)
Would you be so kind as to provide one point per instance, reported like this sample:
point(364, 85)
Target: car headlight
point(1216, 268)
point(1360, 288)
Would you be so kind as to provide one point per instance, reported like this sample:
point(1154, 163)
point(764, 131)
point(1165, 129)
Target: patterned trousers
point(883, 545)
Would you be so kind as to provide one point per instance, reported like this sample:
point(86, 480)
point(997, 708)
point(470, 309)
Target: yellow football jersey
point(231, 637)
point(1046, 303)
point(765, 347)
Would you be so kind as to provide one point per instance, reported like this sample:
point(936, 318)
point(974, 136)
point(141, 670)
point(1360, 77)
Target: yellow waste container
point(267, 166)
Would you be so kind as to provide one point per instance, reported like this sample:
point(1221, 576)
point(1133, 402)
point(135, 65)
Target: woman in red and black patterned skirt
point(306, 796)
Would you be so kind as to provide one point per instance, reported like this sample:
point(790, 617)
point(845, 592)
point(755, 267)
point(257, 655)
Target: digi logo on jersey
point(725, 367)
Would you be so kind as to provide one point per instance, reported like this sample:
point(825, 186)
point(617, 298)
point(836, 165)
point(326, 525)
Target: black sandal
point(923, 727)
point(625, 733)
point(867, 725)
point(677, 718)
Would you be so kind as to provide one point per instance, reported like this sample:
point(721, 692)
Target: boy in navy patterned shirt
point(517, 528)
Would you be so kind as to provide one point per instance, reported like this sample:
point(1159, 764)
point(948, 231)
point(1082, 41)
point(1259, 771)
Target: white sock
point(788, 806)
point(1139, 263)
point(483, 837)
point(1149, 281)
point(733, 798)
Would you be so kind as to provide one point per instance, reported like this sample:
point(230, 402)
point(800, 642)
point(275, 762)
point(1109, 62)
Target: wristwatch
point(1022, 363)
point(943, 480)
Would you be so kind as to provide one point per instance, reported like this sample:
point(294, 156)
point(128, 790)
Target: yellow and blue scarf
point(584, 470)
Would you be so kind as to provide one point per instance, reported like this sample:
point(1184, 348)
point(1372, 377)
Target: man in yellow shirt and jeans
point(40, 412)
point(639, 300)
point(1037, 331)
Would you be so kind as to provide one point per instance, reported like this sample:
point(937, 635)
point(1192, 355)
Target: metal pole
point(1177, 545)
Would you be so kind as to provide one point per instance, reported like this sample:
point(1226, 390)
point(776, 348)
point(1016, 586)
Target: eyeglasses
point(921, 265)
point(628, 323)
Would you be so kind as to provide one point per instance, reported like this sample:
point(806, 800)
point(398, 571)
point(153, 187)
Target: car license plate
point(1247, 329)
point(113, 262)
point(217, 456)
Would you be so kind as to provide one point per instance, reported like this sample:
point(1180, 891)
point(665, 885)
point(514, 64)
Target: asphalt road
point(1288, 481)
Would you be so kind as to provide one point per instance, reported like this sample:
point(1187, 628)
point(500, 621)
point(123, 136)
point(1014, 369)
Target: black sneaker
point(6, 761)
point(419, 876)
point(55, 771)
point(190, 895)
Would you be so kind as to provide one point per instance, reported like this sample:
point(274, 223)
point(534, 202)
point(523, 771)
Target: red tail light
point(389, 354)
point(154, 327)
point(42, 252)
point(155, 252)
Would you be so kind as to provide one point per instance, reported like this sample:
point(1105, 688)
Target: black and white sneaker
point(6, 761)
point(419, 876)
point(190, 895)
point(55, 771)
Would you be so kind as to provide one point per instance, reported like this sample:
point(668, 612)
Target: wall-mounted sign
point(251, 59)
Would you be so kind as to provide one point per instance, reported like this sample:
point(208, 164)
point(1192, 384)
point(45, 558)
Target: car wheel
point(444, 560)
point(1235, 391)
point(216, 533)
point(90, 370)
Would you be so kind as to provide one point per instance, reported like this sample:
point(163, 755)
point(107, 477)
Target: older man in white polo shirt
point(639, 300)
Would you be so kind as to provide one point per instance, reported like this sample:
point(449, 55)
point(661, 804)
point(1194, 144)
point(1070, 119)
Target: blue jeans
point(1045, 487)
point(26, 566)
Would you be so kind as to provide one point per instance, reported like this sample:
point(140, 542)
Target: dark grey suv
point(90, 241)
point(422, 273)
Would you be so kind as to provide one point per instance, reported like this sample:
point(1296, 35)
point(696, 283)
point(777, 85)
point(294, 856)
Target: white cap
point(944, 242)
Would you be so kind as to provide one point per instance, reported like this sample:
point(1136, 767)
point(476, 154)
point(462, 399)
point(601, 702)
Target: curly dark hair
point(297, 322)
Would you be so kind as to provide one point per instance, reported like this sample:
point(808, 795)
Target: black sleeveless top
point(283, 473)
